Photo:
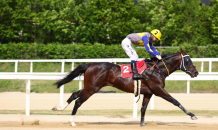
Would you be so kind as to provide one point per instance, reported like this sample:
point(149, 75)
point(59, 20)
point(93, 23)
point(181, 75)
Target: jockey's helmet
point(156, 33)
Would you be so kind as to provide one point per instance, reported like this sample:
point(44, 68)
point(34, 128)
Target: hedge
point(86, 51)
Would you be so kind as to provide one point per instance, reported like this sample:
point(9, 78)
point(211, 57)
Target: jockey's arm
point(149, 47)
point(154, 50)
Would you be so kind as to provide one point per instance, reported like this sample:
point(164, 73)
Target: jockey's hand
point(159, 57)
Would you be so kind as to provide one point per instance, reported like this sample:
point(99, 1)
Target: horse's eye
point(187, 60)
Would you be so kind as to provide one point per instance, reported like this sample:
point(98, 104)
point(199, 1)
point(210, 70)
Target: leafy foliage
point(214, 20)
point(107, 22)
point(86, 51)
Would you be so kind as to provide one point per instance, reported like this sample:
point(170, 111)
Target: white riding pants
point(129, 49)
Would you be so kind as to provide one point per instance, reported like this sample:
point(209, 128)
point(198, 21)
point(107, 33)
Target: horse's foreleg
point(145, 102)
point(78, 103)
point(169, 98)
point(74, 96)
point(176, 103)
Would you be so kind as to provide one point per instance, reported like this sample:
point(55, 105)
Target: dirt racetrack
point(58, 122)
point(16, 101)
point(54, 122)
point(46, 101)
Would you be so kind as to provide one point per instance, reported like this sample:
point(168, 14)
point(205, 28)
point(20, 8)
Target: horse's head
point(187, 65)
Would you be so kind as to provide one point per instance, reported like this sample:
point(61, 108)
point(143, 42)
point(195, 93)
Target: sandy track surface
point(47, 122)
point(16, 101)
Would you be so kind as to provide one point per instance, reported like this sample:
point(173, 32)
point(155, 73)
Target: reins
point(166, 67)
point(154, 65)
point(158, 68)
point(180, 66)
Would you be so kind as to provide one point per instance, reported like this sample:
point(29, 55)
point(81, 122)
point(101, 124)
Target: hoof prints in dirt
point(152, 123)
point(36, 122)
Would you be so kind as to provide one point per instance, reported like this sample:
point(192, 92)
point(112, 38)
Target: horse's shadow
point(135, 123)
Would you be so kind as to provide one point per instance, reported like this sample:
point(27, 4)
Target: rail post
point(31, 67)
point(202, 66)
point(210, 66)
point(135, 107)
point(62, 87)
point(27, 97)
point(188, 86)
point(152, 102)
point(16, 64)
point(72, 67)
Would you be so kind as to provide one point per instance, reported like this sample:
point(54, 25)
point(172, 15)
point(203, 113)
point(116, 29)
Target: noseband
point(182, 64)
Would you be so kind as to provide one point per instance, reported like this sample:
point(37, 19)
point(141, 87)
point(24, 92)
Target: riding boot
point(135, 72)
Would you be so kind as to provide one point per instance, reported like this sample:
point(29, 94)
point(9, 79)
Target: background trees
point(213, 18)
point(107, 22)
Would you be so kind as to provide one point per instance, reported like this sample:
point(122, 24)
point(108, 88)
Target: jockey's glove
point(159, 57)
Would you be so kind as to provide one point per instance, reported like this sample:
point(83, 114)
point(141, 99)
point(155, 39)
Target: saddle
point(126, 70)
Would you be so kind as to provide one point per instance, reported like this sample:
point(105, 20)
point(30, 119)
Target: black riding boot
point(135, 72)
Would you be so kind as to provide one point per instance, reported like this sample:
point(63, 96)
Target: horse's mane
point(164, 56)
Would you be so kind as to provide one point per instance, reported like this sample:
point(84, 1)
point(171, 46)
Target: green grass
point(46, 86)
point(112, 112)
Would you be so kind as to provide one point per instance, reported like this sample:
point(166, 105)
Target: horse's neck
point(172, 65)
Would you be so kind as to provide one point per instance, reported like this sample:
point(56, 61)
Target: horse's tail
point(73, 74)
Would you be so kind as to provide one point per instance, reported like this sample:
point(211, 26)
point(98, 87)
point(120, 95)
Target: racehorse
point(98, 75)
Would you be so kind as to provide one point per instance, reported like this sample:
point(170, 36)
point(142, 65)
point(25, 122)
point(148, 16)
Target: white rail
point(114, 60)
point(59, 75)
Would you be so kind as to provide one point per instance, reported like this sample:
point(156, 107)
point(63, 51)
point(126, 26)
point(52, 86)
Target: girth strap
point(137, 87)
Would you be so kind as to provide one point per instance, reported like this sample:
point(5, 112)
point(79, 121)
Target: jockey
point(145, 39)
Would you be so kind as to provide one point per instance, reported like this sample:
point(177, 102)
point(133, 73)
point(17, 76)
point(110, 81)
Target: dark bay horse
point(98, 75)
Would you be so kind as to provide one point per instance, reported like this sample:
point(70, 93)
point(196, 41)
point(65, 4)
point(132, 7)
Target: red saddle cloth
point(126, 70)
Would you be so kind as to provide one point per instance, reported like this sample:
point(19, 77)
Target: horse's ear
point(186, 51)
point(183, 53)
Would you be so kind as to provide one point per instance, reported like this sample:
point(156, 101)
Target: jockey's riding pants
point(129, 49)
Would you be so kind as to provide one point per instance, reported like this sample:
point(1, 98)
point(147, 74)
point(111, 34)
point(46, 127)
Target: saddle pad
point(126, 70)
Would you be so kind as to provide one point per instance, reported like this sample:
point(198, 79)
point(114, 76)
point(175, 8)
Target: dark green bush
point(86, 51)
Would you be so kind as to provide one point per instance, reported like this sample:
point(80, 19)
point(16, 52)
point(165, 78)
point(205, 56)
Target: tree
point(55, 21)
point(214, 21)
point(179, 23)
point(163, 16)
point(104, 21)
point(11, 20)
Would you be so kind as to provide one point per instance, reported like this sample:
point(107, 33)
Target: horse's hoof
point(54, 108)
point(142, 125)
point(194, 118)
point(73, 124)
point(57, 108)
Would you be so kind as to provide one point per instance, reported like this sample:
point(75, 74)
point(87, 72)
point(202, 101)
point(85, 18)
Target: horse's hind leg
point(84, 96)
point(74, 96)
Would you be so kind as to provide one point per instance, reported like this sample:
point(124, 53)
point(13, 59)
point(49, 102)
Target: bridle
point(182, 64)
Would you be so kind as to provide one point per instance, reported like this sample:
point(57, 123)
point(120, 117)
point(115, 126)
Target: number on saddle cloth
point(126, 70)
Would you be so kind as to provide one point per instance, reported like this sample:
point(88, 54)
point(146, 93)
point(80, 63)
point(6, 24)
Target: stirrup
point(138, 77)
